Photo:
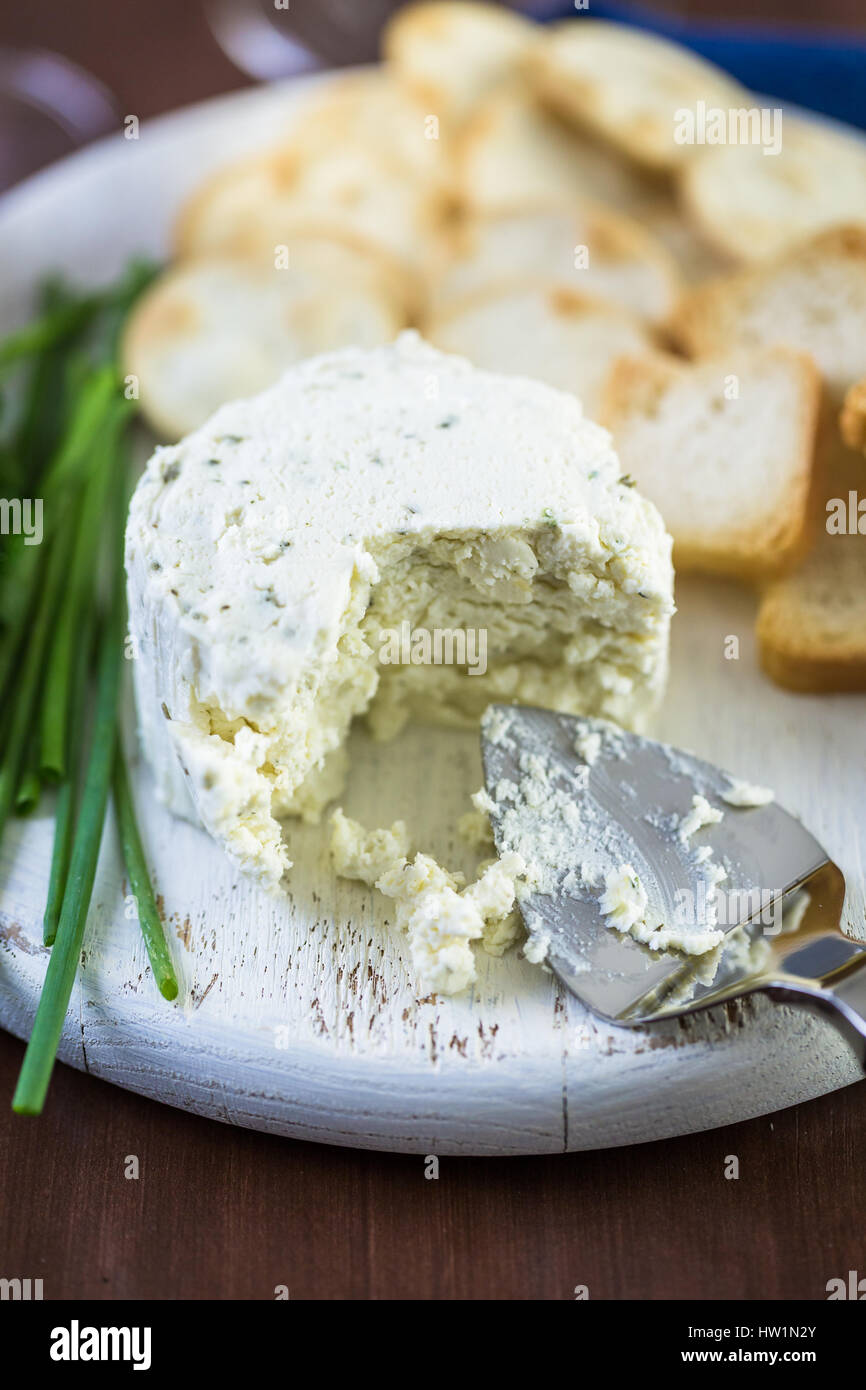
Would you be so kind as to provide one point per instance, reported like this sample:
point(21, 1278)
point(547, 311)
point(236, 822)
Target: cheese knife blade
point(629, 796)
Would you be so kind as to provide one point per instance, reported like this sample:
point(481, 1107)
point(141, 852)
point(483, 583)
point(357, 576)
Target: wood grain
point(224, 1213)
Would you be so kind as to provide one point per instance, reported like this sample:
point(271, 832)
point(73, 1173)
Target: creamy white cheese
point(269, 551)
point(441, 917)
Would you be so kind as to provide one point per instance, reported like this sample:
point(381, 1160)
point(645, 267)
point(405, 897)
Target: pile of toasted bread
point(596, 207)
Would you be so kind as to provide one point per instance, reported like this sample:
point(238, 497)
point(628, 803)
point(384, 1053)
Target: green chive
point(133, 854)
point(67, 795)
point(63, 962)
point(26, 694)
point(78, 597)
point(44, 332)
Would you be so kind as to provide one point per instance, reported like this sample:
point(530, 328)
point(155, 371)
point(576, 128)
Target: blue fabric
point(823, 69)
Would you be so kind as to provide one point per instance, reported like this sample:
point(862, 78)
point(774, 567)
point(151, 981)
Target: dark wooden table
point(221, 1213)
point(224, 1213)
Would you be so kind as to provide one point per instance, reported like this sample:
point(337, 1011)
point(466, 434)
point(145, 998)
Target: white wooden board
point(300, 1018)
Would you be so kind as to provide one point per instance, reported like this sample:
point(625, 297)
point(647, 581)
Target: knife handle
point(842, 1000)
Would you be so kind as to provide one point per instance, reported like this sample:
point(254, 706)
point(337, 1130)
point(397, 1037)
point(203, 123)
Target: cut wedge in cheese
point(567, 340)
point(581, 247)
point(725, 449)
point(275, 553)
point(216, 329)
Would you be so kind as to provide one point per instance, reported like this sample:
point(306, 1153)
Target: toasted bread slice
point(256, 204)
point(752, 205)
point(852, 421)
point(627, 86)
point(214, 330)
point(450, 56)
point(813, 299)
point(812, 623)
point(513, 150)
point(583, 247)
point(695, 258)
point(725, 449)
point(557, 336)
point(369, 107)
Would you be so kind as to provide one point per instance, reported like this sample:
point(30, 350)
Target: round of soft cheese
point(390, 533)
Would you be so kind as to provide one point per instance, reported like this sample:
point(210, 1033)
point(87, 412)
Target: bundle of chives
point(48, 599)
point(59, 978)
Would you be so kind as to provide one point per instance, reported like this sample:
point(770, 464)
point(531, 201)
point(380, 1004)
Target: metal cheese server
point(781, 887)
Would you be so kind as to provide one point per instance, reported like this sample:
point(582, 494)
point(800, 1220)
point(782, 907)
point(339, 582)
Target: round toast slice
point(813, 298)
point(451, 55)
point(554, 335)
point(515, 150)
point(752, 206)
point(255, 204)
point(371, 108)
point(214, 330)
point(627, 86)
point(583, 247)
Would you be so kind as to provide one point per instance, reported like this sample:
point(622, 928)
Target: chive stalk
point(50, 328)
point(29, 781)
point(27, 691)
point(67, 794)
point(45, 399)
point(63, 962)
point(79, 593)
point(139, 881)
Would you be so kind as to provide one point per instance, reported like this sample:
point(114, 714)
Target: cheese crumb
point(474, 827)
point(701, 814)
point(366, 855)
point(588, 746)
point(624, 900)
point(625, 905)
point(746, 794)
point(537, 947)
point(440, 918)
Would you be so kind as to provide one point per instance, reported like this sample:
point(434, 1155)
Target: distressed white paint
point(517, 1066)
